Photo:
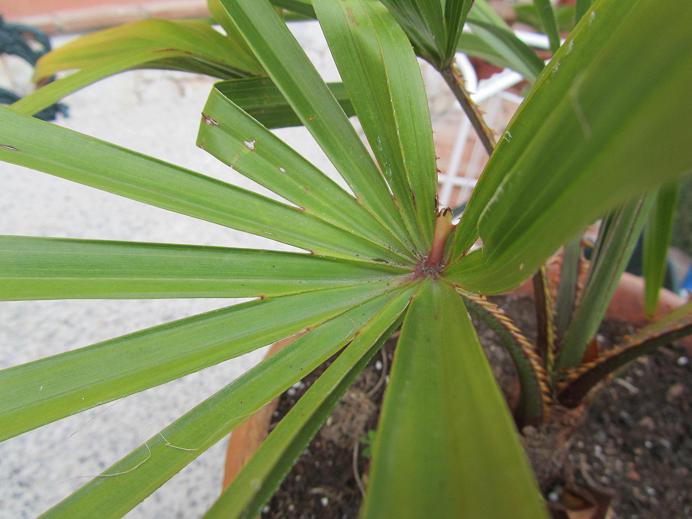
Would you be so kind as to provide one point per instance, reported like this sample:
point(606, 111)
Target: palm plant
point(381, 254)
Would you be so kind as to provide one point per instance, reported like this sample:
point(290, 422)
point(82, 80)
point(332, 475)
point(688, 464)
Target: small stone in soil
point(625, 417)
point(675, 391)
point(633, 475)
point(647, 423)
point(683, 361)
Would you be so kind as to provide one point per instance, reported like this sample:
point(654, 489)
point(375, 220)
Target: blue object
point(687, 282)
point(14, 40)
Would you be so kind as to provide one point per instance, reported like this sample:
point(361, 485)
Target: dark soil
point(322, 483)
point(634, 442)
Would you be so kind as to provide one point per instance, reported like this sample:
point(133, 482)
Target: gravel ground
point(156, 113)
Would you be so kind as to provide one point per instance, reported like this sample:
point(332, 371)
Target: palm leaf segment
point(378, 259)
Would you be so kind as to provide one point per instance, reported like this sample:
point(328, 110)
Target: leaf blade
point(260, 99)
point(177, 44)
point(46, 147)
point(456, 13)
point(564, 149)
point(51, 388)
point(294, 75)
point(195, 39)
point(467, 460)
point(424, 22)
point(610, 260)
point(55, 91)
point(498, 36)
point(567, 288)
point(226, 130)
point(547, 15)
point(53, 268)
point(657, 236)
point(581, 7)
point(382, 76)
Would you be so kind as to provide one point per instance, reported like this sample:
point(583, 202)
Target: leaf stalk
point(455, 81)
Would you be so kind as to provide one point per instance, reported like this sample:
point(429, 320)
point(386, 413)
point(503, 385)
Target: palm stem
point(455, 81)
point(545, 339)
point(536, 394)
